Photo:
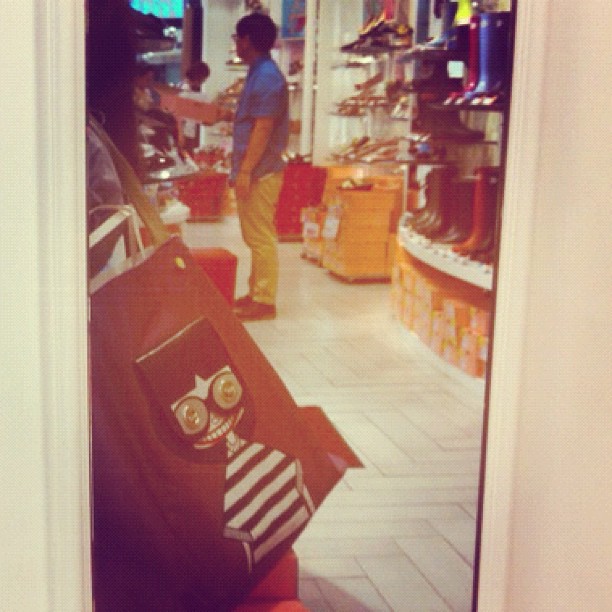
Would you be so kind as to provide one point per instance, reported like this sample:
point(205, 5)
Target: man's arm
point(225, 114)
point(258, 141)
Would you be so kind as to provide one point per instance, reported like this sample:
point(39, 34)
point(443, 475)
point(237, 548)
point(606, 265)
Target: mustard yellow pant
point(256, 214)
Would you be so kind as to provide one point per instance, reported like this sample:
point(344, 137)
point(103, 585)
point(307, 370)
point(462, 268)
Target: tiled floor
point(398, 534)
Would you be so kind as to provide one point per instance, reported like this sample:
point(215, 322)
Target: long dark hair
point(110, 69)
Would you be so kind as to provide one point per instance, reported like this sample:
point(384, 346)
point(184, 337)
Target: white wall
point(548, 535)
point(220, 19)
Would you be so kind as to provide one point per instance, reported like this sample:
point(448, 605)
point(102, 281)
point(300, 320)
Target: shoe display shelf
point(351, 233)
point(358, 238)
point(384, 104)
point(443, 258)
point(492, 104)
point(455, 231)
point(359, 101)
point(450, 316)
point(360, 72)
point(483, 43)
point(442, 278)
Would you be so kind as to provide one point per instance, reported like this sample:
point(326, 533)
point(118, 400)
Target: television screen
point(165, 9)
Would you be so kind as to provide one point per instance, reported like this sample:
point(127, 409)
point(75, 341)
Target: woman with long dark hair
point(110, 72)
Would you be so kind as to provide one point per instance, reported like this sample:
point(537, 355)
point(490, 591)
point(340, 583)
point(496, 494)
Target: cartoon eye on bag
point(210, 411)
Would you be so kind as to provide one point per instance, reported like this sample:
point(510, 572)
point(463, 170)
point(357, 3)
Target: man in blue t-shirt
point(261, 128)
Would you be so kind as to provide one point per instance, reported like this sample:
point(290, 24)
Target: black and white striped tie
point(266, 500)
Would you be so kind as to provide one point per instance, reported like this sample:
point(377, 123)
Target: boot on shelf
point(493, 56)
point(446, 11)
point(432, 81)
point(473, 63)
point(421, 25)
point(461, 214)
point(446, 211)
point(463, 12)
point(423, 215)
point(445, 124)
point(437, 188)
point(485, 254)
point(458, 35)
point(486, 250)
point(450, 45)
point(485, 211)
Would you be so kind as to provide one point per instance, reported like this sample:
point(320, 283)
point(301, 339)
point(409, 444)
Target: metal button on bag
point(192, 415)
point(226, 390)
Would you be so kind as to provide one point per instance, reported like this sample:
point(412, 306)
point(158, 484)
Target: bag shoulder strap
point(133, 189)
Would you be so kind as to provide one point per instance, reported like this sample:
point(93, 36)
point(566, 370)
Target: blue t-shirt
point(264, 95)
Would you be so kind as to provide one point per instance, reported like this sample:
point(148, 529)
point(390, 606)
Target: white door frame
point(44, 416)
point(511, 297)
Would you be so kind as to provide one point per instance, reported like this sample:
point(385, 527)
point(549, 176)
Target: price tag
point(331, 227)
point(311, 230)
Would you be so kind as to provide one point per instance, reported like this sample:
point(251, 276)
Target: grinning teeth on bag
point(214, 436)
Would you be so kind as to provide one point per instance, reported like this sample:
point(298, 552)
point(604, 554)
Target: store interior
point(388, 223)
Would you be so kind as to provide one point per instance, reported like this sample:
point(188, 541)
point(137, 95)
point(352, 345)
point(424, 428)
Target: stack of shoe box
point(474, 347)
point(427, 321)
point(204, 194)
point(466, 336)
point(456, 318)
point(357, 233)
point(403, 280)
point(449, 316)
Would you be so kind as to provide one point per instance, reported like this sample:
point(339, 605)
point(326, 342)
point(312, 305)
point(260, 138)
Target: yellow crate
point(373, 201)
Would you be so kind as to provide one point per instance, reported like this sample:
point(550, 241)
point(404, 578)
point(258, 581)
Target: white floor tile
point(459, 533)
point(402, 585)
point(340, 567)
point(352, 595)
point(397, 535)
point(443, 568)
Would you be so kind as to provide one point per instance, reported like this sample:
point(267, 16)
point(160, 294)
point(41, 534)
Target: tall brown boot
point(485, 209)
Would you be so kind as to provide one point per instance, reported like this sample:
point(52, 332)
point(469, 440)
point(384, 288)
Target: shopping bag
point(204, 471)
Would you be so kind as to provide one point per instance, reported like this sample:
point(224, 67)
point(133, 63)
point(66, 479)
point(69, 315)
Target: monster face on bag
point(265, 500)
point(211, 410)
point(197, 394)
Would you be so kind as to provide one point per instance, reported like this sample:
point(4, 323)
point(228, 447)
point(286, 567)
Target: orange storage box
point(220, 265)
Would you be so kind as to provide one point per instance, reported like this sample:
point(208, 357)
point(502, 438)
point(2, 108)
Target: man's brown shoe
point(243, 301)
point(256, 311)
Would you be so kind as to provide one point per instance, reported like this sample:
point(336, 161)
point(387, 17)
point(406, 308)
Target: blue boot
point(493, 41)
point(448, 17)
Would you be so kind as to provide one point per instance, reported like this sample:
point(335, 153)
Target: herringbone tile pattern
point(398, 534)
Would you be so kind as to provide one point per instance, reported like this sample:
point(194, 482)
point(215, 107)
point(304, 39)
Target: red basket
point(203, 194)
